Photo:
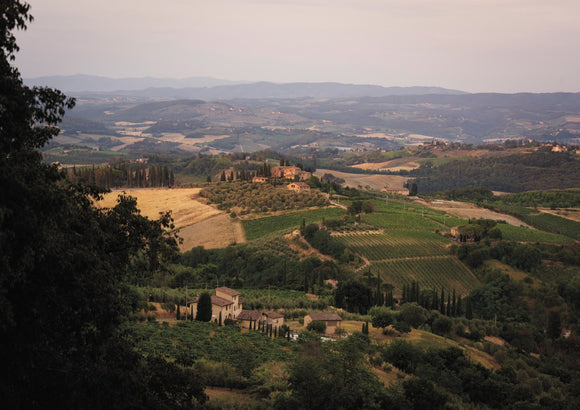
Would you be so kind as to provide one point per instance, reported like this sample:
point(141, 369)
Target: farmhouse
point(254, 316)
point(226, 302)
point(332, 320)
point(289, 173)
point(273, 318)
point(247, 317)
point(299, 187)
point(260, 180)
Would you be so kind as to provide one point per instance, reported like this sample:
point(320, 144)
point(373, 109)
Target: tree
point(204, 308)
point(413, 314)
point(64, 265)
point(381, 317)
point(317, 326)
point(554, 328)
point(442, 325)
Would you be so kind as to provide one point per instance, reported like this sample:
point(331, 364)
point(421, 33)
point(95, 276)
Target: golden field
point(197, 223)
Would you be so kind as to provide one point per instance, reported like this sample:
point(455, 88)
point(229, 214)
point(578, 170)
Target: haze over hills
point(90, 83)
point(207, 88)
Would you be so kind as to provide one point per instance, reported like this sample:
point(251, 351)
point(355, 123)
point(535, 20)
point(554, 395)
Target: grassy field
point(409, 220)
point(544, 221)
point(256, 228)
point(523, 234)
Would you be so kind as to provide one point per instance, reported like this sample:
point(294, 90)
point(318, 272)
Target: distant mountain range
point(207, 88)
point(81, 83)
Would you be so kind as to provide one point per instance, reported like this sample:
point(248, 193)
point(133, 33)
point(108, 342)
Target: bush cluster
point(251, 197)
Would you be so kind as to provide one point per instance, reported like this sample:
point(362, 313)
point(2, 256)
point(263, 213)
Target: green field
point(412, 219)
point(431, 273)
point(396, 244)
point(556, 224)
point(256, 228)
point(546, 222)
point(523, 234)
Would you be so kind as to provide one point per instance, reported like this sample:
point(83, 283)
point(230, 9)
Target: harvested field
point(198, 224)
point(392, 165)
point(218, 231)
point(377, 182)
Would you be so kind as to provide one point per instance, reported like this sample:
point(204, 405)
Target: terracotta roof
point(228, 291)
point(325, 317)
point(249, 314)
point(216, 300)
point(273, 315)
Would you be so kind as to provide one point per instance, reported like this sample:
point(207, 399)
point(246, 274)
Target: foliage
point(64, 265)
point(330, 377)
point(259, 227)
point(317, 326)
point(381, 316)
point(257, 197)
point(548, 199)
point(513, 173)
point(204, 308)
point(354, 296)
point(470, 194)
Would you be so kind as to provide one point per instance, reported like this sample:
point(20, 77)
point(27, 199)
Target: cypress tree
point(453, 305)
point(468, 312)
point(448, 310)
point(442, 301)
point(204, 308)
point(220, 320)
point(459, 310)
point(178, 314)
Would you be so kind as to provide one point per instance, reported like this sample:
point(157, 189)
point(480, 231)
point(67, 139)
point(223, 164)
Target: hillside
point(305, 123)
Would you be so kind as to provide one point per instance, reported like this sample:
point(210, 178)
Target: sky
point(471, 45)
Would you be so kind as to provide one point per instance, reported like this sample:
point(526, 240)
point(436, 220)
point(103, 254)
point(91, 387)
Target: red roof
point(228, 291)
point(249, 314)
point(325, 317)
point(216, 300)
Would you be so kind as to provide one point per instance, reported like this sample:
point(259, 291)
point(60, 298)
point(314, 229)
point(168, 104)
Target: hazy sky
point(472, 45)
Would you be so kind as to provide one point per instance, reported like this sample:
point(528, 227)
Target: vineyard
point(396, 244)
point(523, 234)
point(431, 273)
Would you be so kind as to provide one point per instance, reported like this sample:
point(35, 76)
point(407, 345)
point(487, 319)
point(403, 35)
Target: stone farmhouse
point(289, 172)
point(332, 321)
point(225, 301)
point(299, 187)
point(260, 180)
point(254, 316)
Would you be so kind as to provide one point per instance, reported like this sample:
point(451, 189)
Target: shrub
point(317, 326)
